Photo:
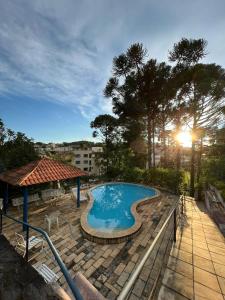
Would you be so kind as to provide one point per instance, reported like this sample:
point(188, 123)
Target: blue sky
point(56, 56)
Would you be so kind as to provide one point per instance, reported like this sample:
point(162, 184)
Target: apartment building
point(88, 159)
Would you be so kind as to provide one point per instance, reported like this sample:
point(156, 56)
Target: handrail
point(62, 266)
point(125, 291)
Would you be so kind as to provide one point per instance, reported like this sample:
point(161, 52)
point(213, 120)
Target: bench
point(17, 202)
point(51, 193)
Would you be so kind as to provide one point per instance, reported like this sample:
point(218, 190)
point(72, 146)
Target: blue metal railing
point(73, 287)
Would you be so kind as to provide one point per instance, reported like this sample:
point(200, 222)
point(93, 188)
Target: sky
point(56, 55)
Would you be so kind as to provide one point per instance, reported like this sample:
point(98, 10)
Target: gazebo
point(41, 171)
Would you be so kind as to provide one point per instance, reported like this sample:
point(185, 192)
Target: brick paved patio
point(196, 267)
point(107, 267)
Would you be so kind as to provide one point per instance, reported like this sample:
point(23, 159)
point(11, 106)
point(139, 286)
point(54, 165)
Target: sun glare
point(184, 138)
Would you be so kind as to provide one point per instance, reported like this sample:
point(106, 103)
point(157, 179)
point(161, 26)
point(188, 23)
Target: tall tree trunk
point(178, 147)
point(153, 142)
point(164, 162)
point(199, 165)
point(192, 175)
point(149, 133)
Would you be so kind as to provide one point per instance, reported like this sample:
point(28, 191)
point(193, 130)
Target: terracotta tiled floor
point(196, 267)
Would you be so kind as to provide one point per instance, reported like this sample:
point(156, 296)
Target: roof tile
point(40, 171)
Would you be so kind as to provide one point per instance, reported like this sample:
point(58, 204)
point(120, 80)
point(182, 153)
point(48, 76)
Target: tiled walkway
point(196, 266)
point(107, 267)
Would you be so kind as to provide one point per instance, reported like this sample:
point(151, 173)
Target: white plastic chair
point(51, 219)
point(48, 275)
point(33, 242)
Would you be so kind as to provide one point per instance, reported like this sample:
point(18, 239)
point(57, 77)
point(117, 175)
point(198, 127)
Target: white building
point(88, 159)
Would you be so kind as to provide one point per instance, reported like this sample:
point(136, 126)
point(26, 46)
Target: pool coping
point(120, 235)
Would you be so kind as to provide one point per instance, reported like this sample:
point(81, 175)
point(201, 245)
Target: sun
point(184, 138)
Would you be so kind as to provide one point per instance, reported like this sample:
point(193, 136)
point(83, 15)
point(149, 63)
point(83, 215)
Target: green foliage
point(214, 173)
point(188, 51)
point(15, 149)
point(175, 181)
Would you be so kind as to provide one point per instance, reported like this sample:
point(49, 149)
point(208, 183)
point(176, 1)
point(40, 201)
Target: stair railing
point(71, 283)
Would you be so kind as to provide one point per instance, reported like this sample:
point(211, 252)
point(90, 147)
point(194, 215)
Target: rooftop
point(41, 171)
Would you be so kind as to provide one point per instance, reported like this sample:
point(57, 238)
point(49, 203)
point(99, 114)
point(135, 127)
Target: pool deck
point(196, 266)
point(107, 267)
point(195, 270)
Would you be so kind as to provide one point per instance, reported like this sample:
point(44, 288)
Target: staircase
point(18, 279)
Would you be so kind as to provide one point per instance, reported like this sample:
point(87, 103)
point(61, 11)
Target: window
point(90, 155)
point(90, 169)
point(85, 155)
point(85, 162)
point(77, 162)
point(77, 155)
point(85, 169)
point(89, 162)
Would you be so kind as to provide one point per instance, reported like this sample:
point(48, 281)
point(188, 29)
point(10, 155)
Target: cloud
point(61, 51)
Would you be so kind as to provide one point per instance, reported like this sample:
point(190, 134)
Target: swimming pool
point(111, 209)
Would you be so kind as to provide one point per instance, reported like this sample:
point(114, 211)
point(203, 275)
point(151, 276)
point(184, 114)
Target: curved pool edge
point(117, 236)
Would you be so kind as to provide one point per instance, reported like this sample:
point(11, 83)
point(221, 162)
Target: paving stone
point(122, 279)
point(138, 287)
point(203, 263)
point(120, 268)
point(218, 258)
point(79, 257)
point(179, 283)
point(180, 266)
point(111, 296)
point(107, 253)
point(133, 297)
point(182, 255)
point(203, 292)
point(129, 268)
point(219, 269)
point(222, 284)
point(98, 263)
point(135, 258)
point(168, 294)
point(201, 252)
point(206, 278)
point(89, 272)
point(98, 284)
point(113, 288)
point(88, 264)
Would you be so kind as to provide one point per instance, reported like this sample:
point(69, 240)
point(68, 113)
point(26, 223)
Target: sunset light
point(184, 138)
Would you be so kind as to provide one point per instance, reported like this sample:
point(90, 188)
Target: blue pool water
point(111, 209)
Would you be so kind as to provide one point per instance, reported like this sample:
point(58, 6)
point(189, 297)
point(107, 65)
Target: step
point(19, 280)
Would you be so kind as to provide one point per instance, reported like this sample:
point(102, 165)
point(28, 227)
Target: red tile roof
point(40, 171)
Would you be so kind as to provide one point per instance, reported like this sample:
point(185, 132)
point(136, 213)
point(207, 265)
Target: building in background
point(84, 155)
point(88, 159)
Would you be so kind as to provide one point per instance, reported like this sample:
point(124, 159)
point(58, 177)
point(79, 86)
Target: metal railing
point(73, 287)
point(173, 215)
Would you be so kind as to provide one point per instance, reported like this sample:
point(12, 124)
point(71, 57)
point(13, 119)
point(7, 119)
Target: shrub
point(133, 175)
point(166, 178)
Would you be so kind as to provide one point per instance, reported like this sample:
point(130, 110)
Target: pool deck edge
point(120, 235)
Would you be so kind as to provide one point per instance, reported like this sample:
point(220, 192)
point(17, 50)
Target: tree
point(154, 96)
point(106, 128)
point(122, 90)
point(139, 91)
point(202, 89)
point(15, 148)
